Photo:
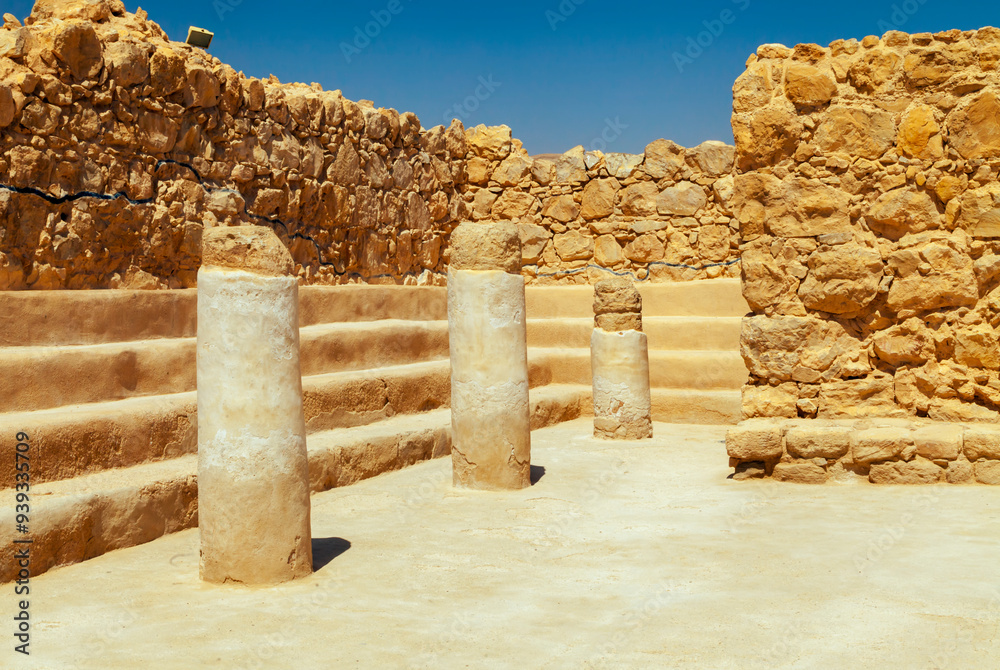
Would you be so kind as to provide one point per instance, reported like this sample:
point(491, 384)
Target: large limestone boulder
point(663, 159)
point(842, 279)
point(808, 86)
point(684, 199)
point(599, 199)
point(490, 142)
point(903, 211)
point(796, 207)
point(712, 158)
point(974, 127)
point(919, 134)
point(856, 132)
point(766, 136)
point(980, 211)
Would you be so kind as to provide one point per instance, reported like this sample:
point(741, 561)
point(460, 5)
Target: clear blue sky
point(556, 82)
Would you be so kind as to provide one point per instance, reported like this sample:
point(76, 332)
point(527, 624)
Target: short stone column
point(253, 470)
point(490, 418)
point(619, 359)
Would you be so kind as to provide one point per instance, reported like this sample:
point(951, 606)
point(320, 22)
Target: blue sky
point(559, 72)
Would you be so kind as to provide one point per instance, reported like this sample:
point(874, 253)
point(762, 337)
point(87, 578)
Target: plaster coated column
point(619, 358)
point(253, 471)
point(490, 417)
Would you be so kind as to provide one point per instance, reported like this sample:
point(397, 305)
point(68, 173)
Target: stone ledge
point(883, 451)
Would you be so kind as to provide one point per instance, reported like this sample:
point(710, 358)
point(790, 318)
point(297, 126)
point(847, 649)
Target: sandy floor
point(632, 555)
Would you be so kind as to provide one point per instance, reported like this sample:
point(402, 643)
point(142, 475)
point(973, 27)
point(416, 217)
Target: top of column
point(486, 246)
point(617, 305)
point(253, 249)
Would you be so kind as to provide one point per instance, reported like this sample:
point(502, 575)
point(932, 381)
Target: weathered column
point(253, 471)
point(619, 359)
point(490, 419)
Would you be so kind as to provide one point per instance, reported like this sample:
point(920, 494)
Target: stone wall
point(661, 215)
point(117, 148)
point(869, 209)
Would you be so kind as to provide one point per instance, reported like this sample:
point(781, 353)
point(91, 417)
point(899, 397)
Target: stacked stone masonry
point(868, 201)
point(118, 147)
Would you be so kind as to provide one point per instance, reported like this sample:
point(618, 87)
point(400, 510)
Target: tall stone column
point(253, 470)
point(490, 418)
point(619, 358)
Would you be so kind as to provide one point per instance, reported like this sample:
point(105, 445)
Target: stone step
point(33, 378)
point(682, 333)
point(39, 318)
point(84, 517)
point(75, 440)
point(712, 297)
point(705, 370)
point(688, 406)
point(710, 408)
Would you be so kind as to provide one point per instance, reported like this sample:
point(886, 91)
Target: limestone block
point(639, 199)
point(938, 441)
point(959, 472)
point(574, 246)
point(982, 441)
point(856, 132)
point(599, 198)
point(879, 444)
point(808, 86)
point(494, 246)
point(755, 440)
point(988, 472)
point(253, 476)
point(769, 401)
point(903, 211)
point(974, 127)
point(920, 134)
point(842, 279)
point(616, 295)
point(817, 441)
point(663, 159)
point(492, 143)
point(712, 158)
point(801, 472)
point(561, 208)
point(622, 165)
point(918, 471)
point(684, 199)
point(766, 136)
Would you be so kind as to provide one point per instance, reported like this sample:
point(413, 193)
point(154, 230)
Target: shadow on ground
point(325, 549)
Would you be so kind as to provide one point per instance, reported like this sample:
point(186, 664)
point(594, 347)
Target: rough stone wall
point(117, 148)
point(662, 215)
point(869, 209)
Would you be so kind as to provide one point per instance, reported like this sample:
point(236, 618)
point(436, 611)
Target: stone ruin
point(120, 147)
point(869, 209)
point(860, 207)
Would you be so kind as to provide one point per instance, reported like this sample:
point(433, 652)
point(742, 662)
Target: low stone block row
point(885, 451)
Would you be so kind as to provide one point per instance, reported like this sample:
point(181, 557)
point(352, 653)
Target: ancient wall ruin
point(118, 146)
point(661, 215)
point(869, 209)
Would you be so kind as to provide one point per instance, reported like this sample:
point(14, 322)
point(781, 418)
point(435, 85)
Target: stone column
point(619, 359)
point(490, 418)
point(253, 470)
